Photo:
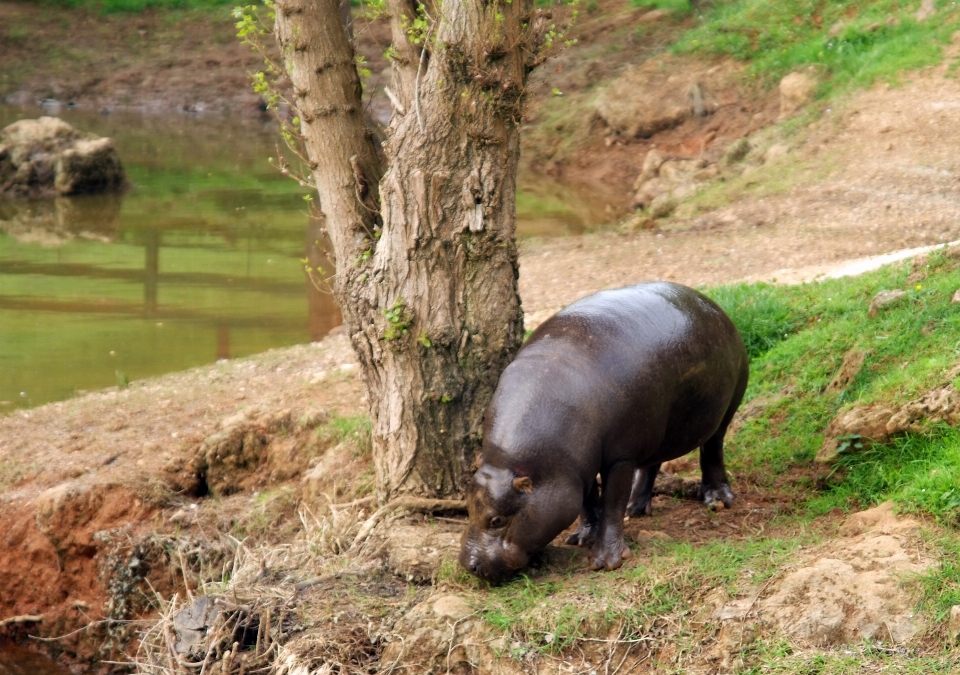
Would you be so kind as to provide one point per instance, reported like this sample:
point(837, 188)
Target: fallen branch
point(26, 618)
point(416, 504)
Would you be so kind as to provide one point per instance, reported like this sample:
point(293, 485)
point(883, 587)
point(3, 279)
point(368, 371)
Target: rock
point(868, 424)
point(416, 552)
point(47, 156)
point(851, 590)
point(89, 167)
point(941, 404)
point(651, 166)
point(662, 182)
point(649, 191)
point(662, 206)
point(796, 90)
point(956, 297)
point(452, 607)
point(849, 369)
point(879, 423)
point(885, 299)
point(193, 622)
point(662, 93)
point(438, 643)
point(775, 150)
point(953, 627)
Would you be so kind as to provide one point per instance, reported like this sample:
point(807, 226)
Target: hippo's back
point(656, 364)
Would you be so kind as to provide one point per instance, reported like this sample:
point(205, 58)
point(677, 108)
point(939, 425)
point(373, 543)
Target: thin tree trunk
point(426, 273)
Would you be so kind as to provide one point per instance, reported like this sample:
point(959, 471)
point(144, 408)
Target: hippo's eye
point(496, 521)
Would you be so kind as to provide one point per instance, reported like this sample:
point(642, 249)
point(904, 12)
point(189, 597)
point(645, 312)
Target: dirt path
point(876, 174)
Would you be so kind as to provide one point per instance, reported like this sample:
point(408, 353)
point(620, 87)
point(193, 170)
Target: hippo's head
point(512, 516)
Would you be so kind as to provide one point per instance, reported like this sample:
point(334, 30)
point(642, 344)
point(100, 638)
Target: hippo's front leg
point(609, 551)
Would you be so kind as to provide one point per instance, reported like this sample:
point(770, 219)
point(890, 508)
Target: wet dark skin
point(613, 385)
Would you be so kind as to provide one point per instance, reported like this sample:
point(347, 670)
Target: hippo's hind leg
point(641, 494)
point(589, 524)
point(609, 550)
point(715, 488)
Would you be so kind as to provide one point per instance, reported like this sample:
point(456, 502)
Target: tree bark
point(426, 261)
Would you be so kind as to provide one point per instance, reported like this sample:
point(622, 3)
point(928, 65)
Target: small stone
point(885, 299)
point(956, 297)
point(796, 90)
point(662, 206)
point(452, 607)
point(954, 624)
point(776, 150)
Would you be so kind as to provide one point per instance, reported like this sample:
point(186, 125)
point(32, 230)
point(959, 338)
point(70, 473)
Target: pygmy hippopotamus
point(612, 385)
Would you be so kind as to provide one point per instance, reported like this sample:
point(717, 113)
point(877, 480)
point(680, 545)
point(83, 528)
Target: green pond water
point(200, 260)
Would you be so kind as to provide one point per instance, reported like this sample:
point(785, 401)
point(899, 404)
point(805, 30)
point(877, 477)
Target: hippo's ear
point(523, 484)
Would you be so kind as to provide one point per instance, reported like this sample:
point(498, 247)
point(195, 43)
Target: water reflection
point(19, 661)
point(200, 260)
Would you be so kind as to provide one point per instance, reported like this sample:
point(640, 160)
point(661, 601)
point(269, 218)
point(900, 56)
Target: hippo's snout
point(489, 557)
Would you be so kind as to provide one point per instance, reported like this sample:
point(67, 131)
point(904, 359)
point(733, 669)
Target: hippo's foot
point(640, 508)
point(610, 557)
point(718, 497)
point(586, 535)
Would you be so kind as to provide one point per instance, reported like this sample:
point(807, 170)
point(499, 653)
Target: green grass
point(760, 312)
point(800, 335)
point(134, 6)
point(856, 42)
point(355, 428)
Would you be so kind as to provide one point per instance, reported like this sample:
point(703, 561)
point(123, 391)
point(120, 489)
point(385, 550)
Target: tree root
point(414, 504)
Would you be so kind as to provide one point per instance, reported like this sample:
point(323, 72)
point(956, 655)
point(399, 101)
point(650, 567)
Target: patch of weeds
point(940, 587)
point(13, 471)
point(776, 657)
point(355, 428)
point(760, 312)
point(270, 515)
point(854, 42)
point(921, 472)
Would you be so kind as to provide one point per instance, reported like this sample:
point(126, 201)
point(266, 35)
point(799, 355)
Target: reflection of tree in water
point(53, 222)
point(324, 313)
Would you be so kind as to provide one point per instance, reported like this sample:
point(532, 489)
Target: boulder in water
point(47, 156)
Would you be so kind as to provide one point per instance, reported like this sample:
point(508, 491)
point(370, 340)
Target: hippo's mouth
point(495, 568)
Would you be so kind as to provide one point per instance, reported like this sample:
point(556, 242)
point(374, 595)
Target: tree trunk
point(426, 264)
